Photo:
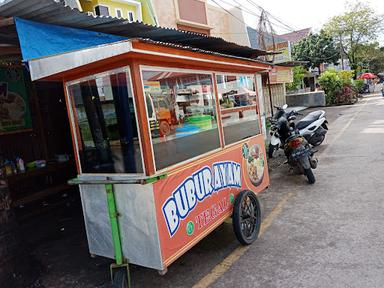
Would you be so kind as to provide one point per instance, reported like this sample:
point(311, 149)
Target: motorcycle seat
point(310, 118)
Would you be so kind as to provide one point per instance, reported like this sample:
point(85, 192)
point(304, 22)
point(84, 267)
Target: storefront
point(35, 151)
point(36, 162)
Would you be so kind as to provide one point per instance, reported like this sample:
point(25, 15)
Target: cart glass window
point(182, 115)
point(238, 102)
point(104, 113)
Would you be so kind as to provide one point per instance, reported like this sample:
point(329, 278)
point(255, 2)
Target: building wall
point(278, 97)
point(141, 14)
point(165, 12)
point(237, 29)
point(220, 23)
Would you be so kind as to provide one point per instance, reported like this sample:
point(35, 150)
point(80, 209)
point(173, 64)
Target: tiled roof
point(296, 36)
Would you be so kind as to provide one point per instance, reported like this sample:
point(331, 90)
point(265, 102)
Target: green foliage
point(346, 77)
point(331, 83)
point(358, 84)
point(370, 58)
point(298, 75)
point(338, 87)
point(358, 25)
point(316, 49)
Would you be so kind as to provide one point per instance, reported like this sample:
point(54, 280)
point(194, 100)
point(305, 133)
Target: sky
point(300, 14)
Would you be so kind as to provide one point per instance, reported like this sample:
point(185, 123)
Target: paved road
point(330, 234)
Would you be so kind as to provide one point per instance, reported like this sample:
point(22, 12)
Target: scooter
point(312, 127)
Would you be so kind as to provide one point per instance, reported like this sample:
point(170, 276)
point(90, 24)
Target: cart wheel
point(120, 279)
point(165, 128)
point(246, 217)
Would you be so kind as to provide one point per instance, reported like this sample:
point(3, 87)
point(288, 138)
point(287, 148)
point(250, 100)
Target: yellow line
point(224, 265)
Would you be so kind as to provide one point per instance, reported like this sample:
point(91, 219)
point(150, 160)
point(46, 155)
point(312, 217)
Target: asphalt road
point(330, 234)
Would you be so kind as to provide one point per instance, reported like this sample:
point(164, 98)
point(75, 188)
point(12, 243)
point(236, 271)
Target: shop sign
point(281, 75)
point(14, 103)
point(285, 52)
point(196, 188)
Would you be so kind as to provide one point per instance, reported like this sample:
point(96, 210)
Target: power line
point(230, 13)
point(247, 10)
point(272, 16)
point(214, 1)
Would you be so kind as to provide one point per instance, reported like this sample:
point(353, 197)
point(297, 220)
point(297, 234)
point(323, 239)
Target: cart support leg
point(113, 216)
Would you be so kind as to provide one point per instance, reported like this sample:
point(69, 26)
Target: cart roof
point(52, 51)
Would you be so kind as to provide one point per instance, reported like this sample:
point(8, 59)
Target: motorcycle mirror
point(285, 106)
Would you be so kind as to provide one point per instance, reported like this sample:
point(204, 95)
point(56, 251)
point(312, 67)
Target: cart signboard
point(192, 202)
point(14, 104)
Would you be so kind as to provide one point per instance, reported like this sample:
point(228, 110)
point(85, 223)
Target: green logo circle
point(190, 228)
point(245, 151)
point(232, 198)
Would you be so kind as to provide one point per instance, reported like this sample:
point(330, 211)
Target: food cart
point(149, 195)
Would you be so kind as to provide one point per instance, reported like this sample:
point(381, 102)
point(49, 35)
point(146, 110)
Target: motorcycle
point(312, 127)
point(300, 156)
point(299, 153)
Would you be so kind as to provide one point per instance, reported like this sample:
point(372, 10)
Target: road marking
point(224, 265)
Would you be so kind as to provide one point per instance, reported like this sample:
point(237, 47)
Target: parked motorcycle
point(300, 156)
point(299, 153)
point(312, 127)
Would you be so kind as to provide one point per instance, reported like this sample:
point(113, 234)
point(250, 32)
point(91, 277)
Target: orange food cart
point(150, 194)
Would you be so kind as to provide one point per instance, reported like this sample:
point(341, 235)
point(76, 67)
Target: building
point(201, 17)
point(295, 36)
point(132, 10)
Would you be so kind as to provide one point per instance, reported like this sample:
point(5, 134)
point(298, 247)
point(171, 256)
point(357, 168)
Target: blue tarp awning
point(38, 40)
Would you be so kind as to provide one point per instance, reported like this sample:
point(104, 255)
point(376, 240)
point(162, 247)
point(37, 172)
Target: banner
point(193, 201)
point(14, 103)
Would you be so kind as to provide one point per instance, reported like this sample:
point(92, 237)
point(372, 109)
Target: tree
point(370, 57)
point(298, 76)
point(316, 49)
point(358, 25)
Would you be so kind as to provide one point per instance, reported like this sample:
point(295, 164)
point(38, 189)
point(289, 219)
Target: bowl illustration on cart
point(255, 164)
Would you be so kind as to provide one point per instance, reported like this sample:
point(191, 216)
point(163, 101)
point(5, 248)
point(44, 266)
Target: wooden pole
point(270, 93)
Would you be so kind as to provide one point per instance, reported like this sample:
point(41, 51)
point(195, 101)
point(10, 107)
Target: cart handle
point(109, 180)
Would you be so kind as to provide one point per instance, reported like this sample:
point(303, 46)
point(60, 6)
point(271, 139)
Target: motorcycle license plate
point(299, 153)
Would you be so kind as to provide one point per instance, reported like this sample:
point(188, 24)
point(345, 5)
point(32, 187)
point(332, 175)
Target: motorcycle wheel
point(310, 176)
point(271, 150)
point(316, 141)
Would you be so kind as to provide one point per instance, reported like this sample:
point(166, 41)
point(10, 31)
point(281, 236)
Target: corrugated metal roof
point(189, 48)
point(56, 12)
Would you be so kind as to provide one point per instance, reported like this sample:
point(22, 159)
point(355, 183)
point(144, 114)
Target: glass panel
point(238, 107)
point(182, 115)
point(106, 119)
